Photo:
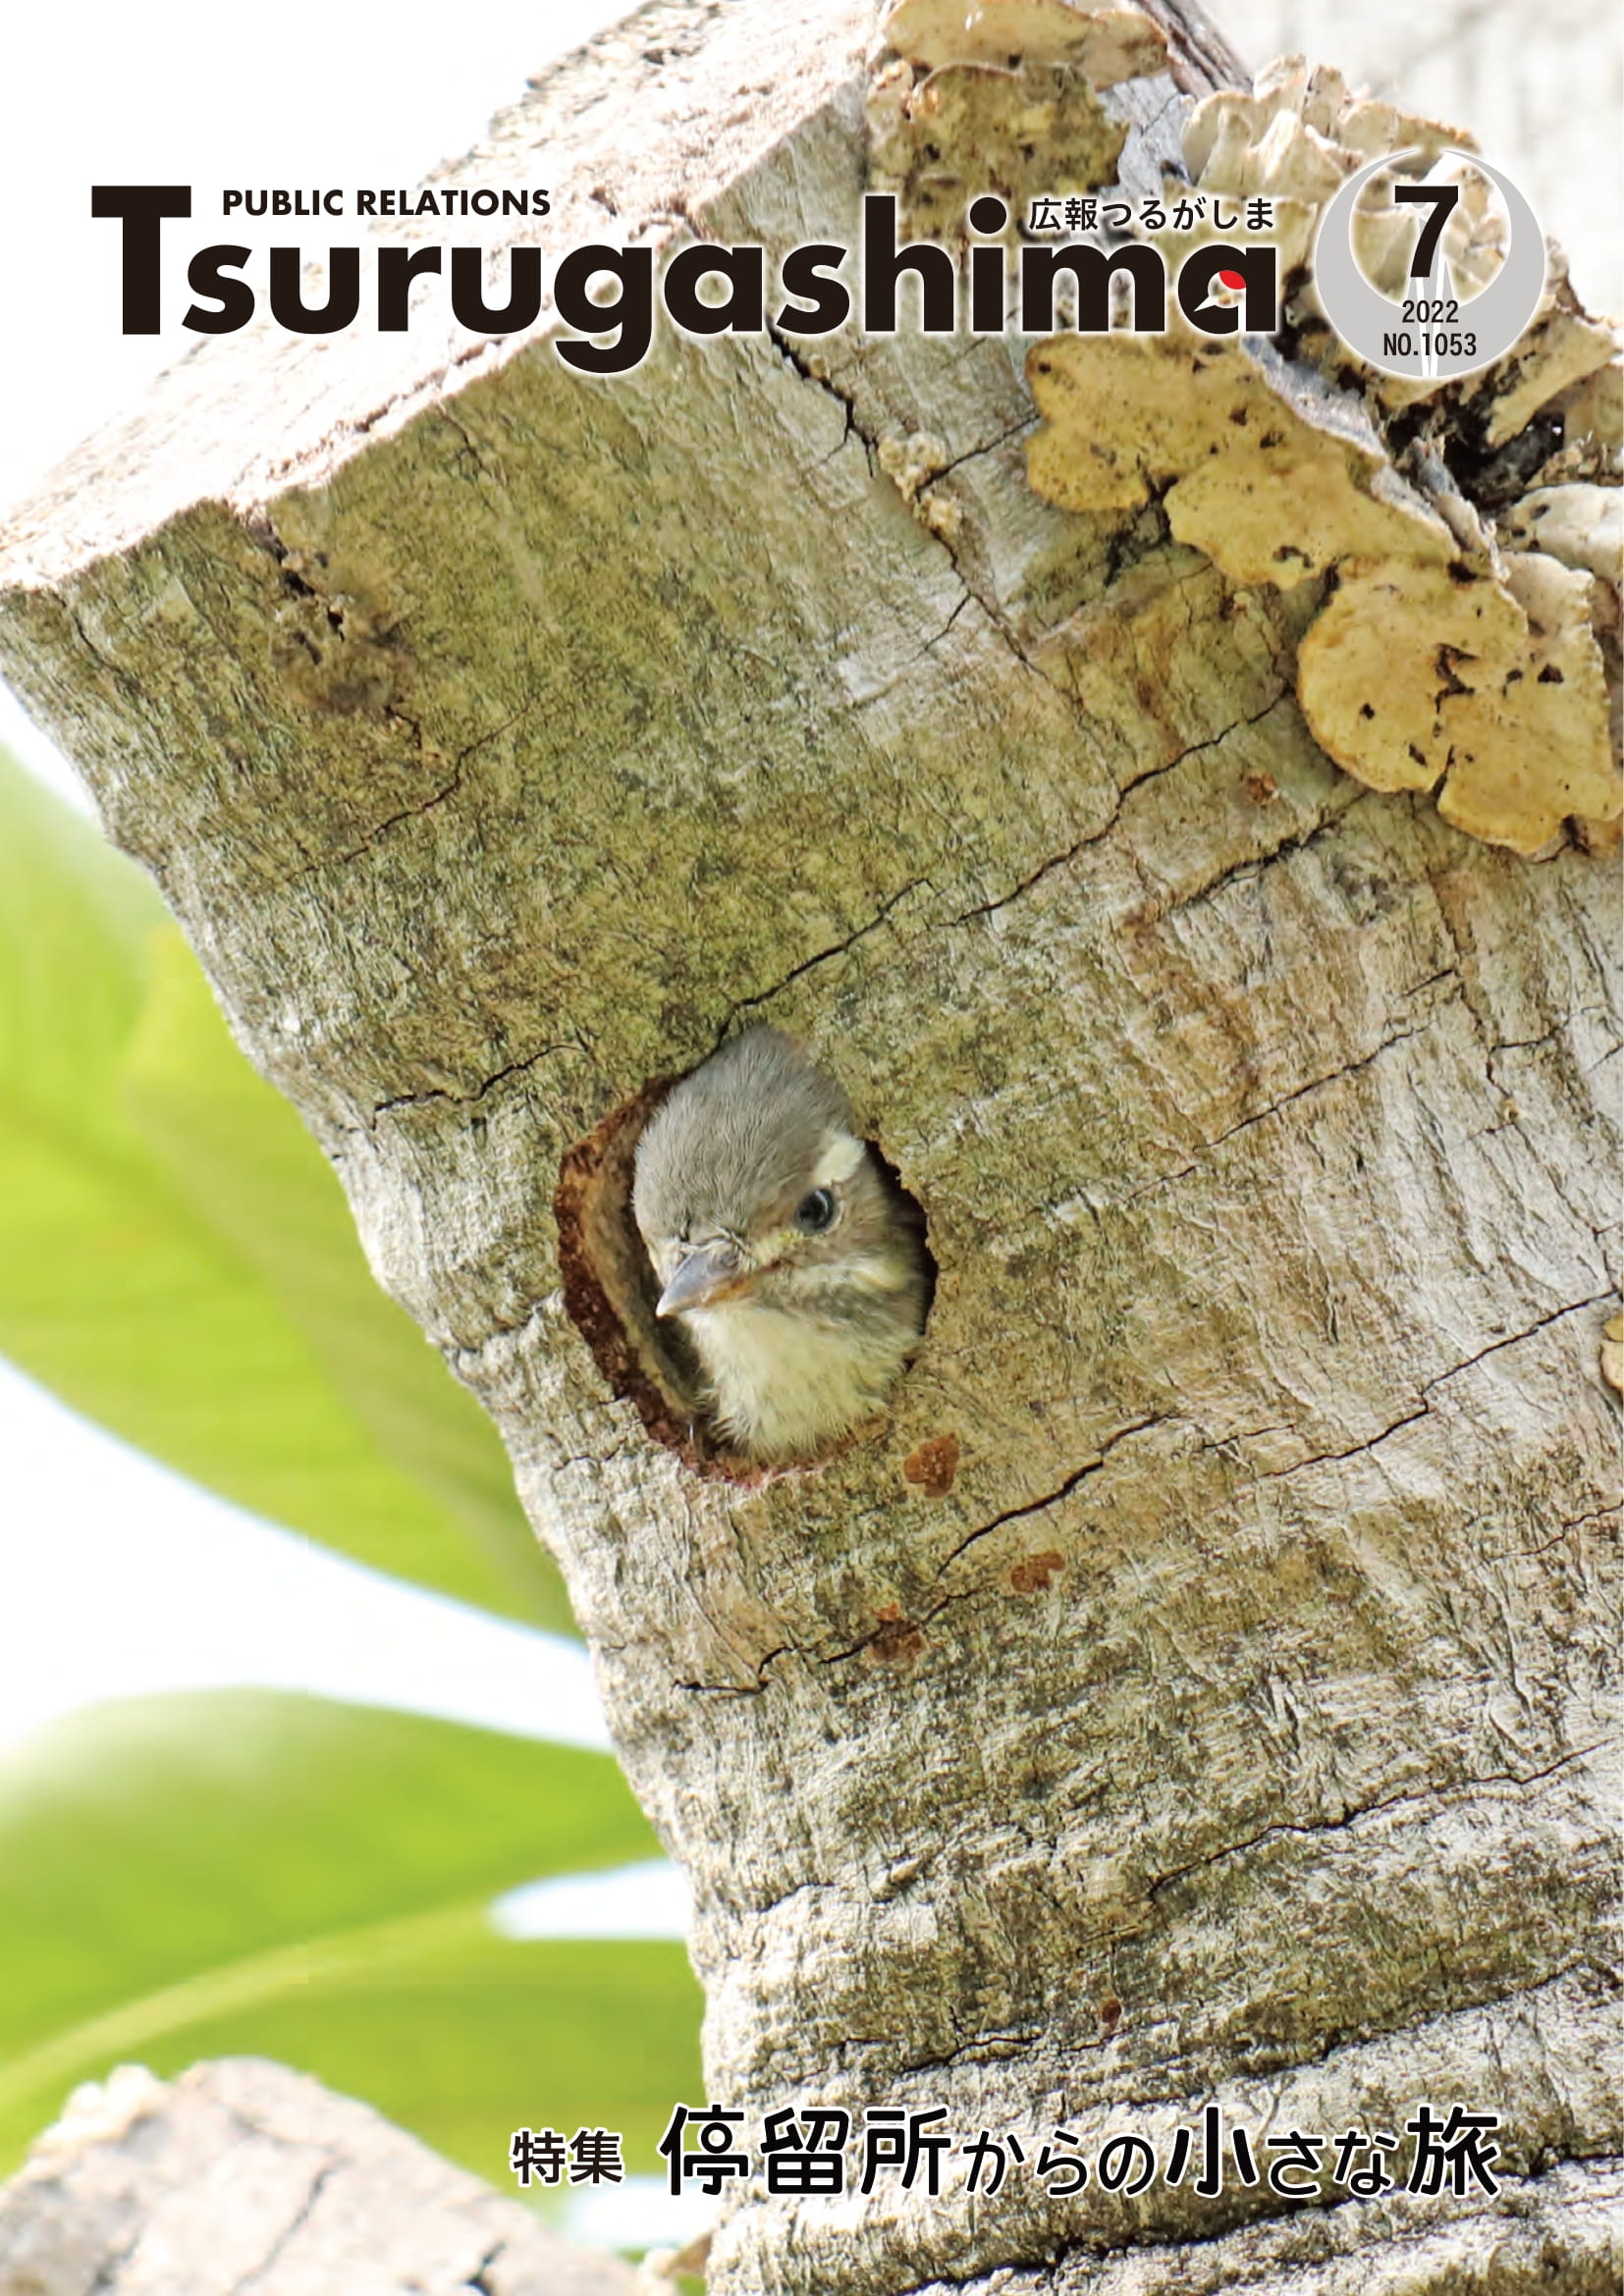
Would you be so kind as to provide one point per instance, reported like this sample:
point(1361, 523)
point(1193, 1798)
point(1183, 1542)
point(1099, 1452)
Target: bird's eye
point(816, 1211)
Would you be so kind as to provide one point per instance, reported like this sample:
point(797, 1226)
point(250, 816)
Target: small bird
point(796, 1265)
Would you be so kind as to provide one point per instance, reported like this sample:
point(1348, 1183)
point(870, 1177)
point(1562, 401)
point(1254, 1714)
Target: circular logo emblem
point(1428, 331)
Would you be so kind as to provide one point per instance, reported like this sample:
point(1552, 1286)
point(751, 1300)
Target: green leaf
point(177, 1259)
point(247, 1873)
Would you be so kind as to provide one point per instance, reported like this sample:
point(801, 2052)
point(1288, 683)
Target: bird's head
point(753, 1188)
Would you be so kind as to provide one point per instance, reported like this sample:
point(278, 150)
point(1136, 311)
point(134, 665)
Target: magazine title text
point(608, 297)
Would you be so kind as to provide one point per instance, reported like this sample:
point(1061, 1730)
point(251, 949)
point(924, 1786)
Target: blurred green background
point(218, 1872)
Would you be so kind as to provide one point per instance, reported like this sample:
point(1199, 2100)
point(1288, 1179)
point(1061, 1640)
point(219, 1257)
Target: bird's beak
point(710, 1274)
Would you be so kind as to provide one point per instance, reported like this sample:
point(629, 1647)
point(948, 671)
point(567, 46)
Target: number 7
point(1440, 198)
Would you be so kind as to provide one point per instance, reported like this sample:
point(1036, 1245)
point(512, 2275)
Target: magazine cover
point(809, 1343)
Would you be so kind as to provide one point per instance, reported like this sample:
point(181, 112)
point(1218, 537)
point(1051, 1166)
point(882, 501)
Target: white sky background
point(118, 1577)
point(217, 96)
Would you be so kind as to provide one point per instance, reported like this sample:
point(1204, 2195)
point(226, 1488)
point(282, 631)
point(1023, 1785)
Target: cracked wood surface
point(1247, 1665)
point(245, 2179)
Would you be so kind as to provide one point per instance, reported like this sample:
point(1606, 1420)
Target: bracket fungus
point(1106, 44)
point(1295, 139)
point(1000, 96)
point(1465, 629)
point(1580, 527)
point(1470, 629)
point(972, 128)
point(1415, 674)
point(1274, 477)
point(1612, 1354)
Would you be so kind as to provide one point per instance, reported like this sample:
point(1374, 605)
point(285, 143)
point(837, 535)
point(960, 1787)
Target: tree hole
point(610, 1293)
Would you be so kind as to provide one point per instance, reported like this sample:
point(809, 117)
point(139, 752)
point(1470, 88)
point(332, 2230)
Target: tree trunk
point(1195, 1695)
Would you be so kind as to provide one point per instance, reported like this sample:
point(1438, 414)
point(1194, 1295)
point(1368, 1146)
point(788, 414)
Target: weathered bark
point(243, 2175)
point(1196, 1692)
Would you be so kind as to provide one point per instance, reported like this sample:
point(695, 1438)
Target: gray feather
point(799, 1332)
point(735, 1138)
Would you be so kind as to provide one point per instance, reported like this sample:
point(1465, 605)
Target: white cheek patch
point(840, 1157)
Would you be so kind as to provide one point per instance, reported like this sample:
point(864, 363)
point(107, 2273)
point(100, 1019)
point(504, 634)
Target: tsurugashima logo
point(1431, 332)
